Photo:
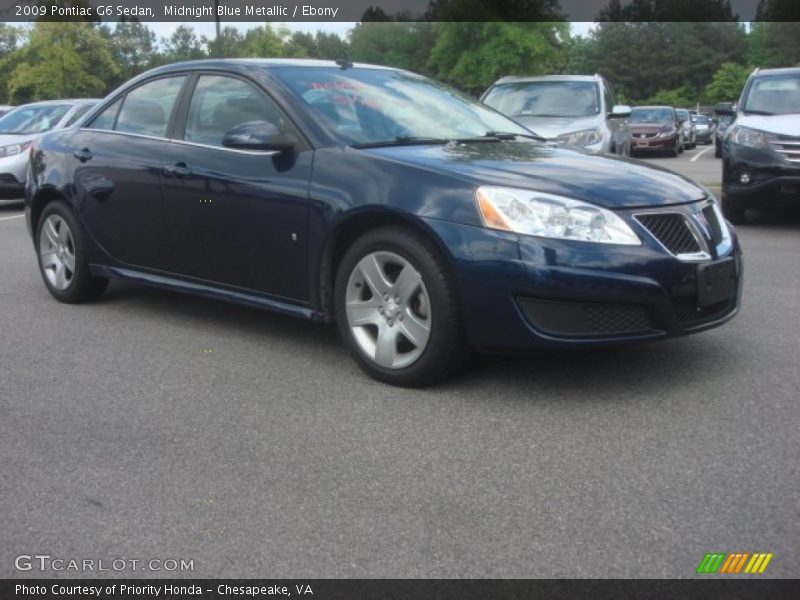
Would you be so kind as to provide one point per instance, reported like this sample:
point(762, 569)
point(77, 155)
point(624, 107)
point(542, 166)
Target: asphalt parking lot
point(155, 425)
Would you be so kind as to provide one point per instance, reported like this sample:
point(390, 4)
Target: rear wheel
point(397, 308)
point(62, 257)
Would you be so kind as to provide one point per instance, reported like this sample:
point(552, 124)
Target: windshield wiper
point(759, 112)
point(403, 140)
point(508, 135)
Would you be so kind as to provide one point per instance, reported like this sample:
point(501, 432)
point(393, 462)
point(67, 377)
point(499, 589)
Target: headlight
point(547, 215)
point(668, 133)
point(744, 136)
point(585, 137)
point(12, 149)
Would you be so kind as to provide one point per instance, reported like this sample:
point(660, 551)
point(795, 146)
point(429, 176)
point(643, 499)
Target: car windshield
point(375, 106)
point(774, 95)
point(701, 120)
point(546, 99)
point(683, 115)
point(33, 119)
point(651, 115)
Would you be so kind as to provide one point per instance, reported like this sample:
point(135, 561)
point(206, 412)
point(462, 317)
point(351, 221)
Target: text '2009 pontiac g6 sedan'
point(425, 224)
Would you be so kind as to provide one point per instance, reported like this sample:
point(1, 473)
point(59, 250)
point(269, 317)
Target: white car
point(20, 127)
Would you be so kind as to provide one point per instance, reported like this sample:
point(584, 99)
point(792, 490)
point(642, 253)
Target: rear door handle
point(179, 170)
point(83, 155)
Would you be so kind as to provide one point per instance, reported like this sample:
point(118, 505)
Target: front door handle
point(83, 155)
point(179, 170)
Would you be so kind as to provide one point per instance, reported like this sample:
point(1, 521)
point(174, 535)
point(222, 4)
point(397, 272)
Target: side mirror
point(258, 136)
point(620, 111)
point(725, 108)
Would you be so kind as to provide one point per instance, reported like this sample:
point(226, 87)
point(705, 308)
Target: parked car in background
point(723, 120)
point(761, 149)
point(655, 129)
point(687, 128)
point(421, 221)
point(572, 110)
point(4, 108)
point(20, 127)
point(704, 129)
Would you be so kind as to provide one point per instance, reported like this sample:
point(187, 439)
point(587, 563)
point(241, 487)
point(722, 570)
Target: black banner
point(403, 589)
point(400, 10)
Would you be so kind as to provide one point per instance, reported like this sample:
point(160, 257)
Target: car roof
point(786, 71)
point(265, 63)
point(532, 78)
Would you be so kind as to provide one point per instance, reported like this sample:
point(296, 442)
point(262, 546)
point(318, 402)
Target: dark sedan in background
point(423, 222)
point(655, 129)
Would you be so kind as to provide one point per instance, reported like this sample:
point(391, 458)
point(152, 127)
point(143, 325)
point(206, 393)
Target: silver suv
point(574, 110)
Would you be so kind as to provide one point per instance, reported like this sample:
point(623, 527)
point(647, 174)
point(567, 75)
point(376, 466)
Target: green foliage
point(775, 45)
point(474, 55)
point(727, 83)
point(406, 45)
point(61, 60)
point(183, 44)
point(683, 96)
point(133, 47)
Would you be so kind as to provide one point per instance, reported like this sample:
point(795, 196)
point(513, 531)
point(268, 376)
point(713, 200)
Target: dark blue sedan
point(424, 223)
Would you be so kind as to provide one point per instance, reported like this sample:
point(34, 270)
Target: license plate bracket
point(716, 282)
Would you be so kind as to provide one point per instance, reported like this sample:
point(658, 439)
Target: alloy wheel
point(388, 309)
point(57, 252)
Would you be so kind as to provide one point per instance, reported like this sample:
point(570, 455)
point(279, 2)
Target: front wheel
point(397, 308)
point(62, 257)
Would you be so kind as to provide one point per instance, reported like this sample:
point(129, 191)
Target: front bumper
point(653, 144)
point(13, 173)
point(773, 181)
point(704, 136)
point(521, 293)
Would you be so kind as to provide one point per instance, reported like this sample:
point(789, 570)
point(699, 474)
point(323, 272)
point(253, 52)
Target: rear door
point(117, 161)
point(237, 218)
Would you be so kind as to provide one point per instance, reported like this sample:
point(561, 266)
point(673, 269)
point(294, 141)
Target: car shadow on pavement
point(11, 206)
point(784, 218)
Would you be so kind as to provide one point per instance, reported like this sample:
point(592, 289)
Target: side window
point(78, 114)
point(146, 109)
point(107, 118)
point(220, 103)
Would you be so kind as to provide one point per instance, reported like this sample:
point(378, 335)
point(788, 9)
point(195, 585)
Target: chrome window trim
point(176, 141)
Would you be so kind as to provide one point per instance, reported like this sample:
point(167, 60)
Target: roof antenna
point(345, 62)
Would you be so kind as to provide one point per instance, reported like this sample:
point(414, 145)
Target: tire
point(674, 151)
point(717, 151)
point(61, 254)
point(404, 338)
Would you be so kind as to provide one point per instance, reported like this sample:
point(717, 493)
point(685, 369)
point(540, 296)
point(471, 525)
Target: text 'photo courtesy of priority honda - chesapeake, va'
point(408, 299)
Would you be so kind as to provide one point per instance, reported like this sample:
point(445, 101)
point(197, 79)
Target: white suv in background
point(573, 110)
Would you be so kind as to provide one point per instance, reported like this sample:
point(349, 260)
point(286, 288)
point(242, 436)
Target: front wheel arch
point(349, 229)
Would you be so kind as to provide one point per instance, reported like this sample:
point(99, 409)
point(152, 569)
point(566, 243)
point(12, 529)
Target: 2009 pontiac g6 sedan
point(425, 224)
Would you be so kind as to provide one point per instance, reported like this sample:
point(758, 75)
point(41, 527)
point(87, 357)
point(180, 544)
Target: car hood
point(552, 127)
point(603, 180)
point(779, 124)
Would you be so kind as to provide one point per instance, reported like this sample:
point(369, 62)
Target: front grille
point(688, 313)
point(585, 319)
point(714, 226)
point(788, 146)
point(644, 136)
point(672, 230)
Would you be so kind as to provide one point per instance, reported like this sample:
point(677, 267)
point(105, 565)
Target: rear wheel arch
point(42, 198)
point(355, 226)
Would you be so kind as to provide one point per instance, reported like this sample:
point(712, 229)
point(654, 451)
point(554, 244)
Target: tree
point(405, 45)
point(61, 60)
point(182, 45)
point(774, 45)
point(330, 45)
point(474, 55)
point(668, 11)
point(262, 42)
point(134, 48)
point(727, 83)
point(229, 44)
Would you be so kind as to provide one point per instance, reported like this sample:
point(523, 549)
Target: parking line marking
point(9, 218)
point(699, 154)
